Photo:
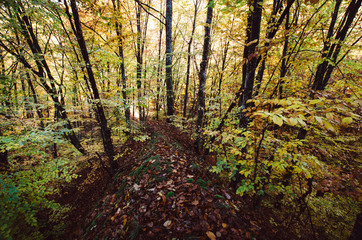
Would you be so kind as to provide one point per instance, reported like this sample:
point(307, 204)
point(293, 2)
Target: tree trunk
point(284, 67)
point(189, 57)
point(35, 99)
point(202, 72)
point(331, 51)
point(272, 29)
point(139, 56)
point(169, 83)
point(357, 228)
point(118, 26)
point(251, 58)
point(101, 118)
point(4, 161)
point(43, 71)
point(159, 80)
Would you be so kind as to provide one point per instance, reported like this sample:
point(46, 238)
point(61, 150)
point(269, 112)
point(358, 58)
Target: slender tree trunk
point(196, 4)
point(273, 26)
point(223, 66)
point(169, 83)
point(159, 80)
point(202, 72)
point(27, 107)
point(284, 67)
point(139, 56)
point(102, 120)
point(43, 71)
point(331, 50)
point(118, 26)
point(35, 100)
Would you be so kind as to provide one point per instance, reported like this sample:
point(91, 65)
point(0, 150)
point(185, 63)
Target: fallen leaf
point(136, 187)
point(211, 235)
point(167, 224)
point(195, 202)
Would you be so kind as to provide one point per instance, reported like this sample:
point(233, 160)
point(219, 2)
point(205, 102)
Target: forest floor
point(163, 190)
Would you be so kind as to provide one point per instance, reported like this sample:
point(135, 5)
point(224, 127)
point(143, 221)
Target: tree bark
point(357, 228)
point(202, 72)
point(159, 80)
point(284, 67)
point(189, 57)
point(169, 82)
point(251, 58)
point(118, 26)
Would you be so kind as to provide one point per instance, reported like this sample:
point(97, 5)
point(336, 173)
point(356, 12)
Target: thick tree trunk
point(357, 228)
point(251, 58)
point(101, 118)
point(202, 72)
point(169, 82)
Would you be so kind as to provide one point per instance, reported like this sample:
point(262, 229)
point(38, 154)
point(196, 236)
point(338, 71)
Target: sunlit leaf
point(347, 120)
point(278, 120)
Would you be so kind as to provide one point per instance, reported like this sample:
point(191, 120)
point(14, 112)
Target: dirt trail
point(163, 190)
point(167, 193)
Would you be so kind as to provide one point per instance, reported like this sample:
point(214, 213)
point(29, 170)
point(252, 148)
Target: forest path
point(164, 191)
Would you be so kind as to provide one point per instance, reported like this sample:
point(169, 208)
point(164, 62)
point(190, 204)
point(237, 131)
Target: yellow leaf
point(278, 120)
point(211, 235)
point(302, 122)
point(315, 101)
point(330, 116)
point(329, 126)
point(292, 121)
point(347, 120)
point(319, 120)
